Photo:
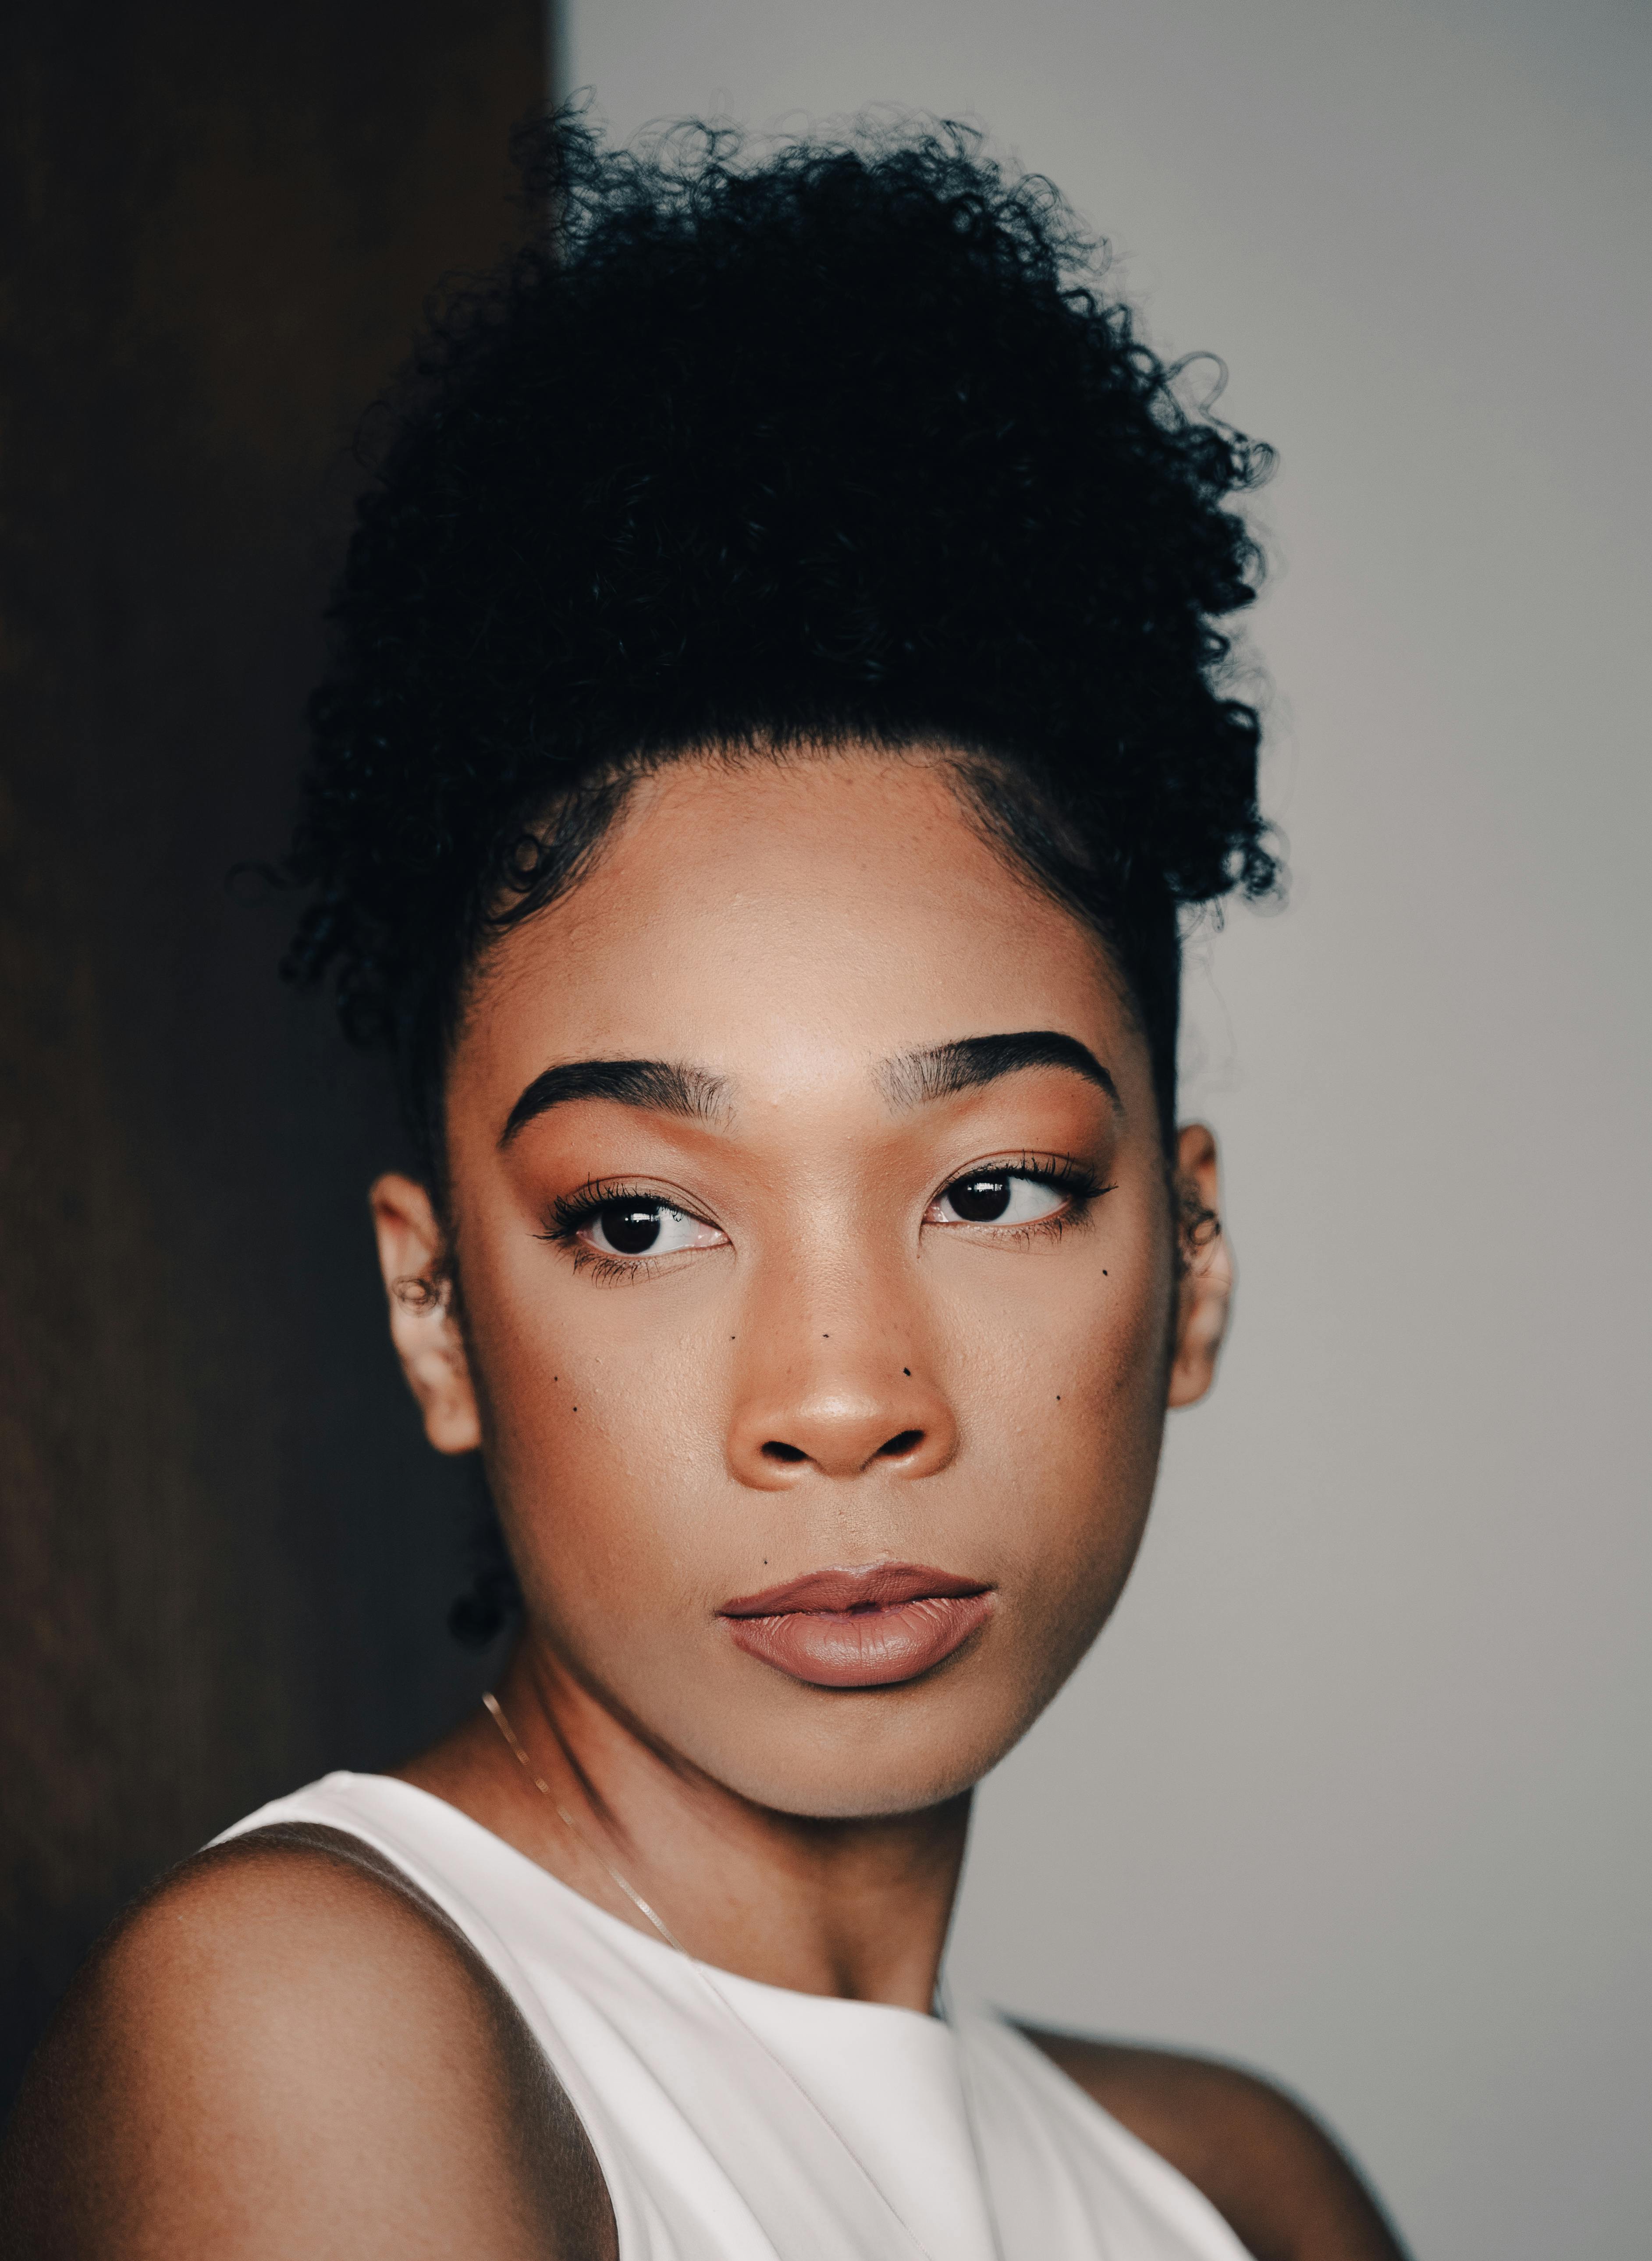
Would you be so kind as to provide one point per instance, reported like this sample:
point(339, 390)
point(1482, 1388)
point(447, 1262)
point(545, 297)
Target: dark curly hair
point(842, 443)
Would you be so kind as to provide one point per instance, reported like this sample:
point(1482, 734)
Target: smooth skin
point(824, 1362)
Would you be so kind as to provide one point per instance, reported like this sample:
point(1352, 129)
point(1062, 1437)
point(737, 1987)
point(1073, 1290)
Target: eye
point(632, 1226)
point(998, 1196)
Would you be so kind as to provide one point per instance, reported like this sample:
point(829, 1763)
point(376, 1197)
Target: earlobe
point(427, 1336)
point(1205, 1288)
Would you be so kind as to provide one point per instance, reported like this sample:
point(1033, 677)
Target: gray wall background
point(1355, 1786)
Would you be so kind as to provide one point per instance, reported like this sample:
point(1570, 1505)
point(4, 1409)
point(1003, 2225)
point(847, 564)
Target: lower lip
point(862, 1648)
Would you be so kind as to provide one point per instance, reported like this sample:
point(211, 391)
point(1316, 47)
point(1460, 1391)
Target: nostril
point(776, 1451)
point(907, 1441)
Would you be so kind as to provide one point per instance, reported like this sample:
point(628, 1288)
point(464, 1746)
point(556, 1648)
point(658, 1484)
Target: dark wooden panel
point(224, 1554)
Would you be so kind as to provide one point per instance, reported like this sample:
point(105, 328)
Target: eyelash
point(571, 1212)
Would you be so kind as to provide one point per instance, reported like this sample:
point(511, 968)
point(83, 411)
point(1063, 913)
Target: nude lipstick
point(860, 1628)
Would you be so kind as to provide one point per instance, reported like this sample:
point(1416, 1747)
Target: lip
point(872, 1626)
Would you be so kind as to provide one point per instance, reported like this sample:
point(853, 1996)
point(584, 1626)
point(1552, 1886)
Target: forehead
point(780, 922)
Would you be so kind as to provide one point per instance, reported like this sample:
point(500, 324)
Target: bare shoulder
point(286, 2049)
point(1277, 2178)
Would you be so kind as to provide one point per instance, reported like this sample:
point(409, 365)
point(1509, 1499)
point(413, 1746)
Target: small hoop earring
point(1201, 1228)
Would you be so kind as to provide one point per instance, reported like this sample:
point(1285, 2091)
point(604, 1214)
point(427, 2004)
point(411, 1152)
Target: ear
point(1205, 1290)
point(412, 1255)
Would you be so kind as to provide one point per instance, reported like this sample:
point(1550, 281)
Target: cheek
point(599, 1434)
point(1065, 1403)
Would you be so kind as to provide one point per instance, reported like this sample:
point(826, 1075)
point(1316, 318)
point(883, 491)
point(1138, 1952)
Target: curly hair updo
point(845, 442)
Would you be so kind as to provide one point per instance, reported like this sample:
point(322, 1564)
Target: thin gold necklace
point(496, 1711)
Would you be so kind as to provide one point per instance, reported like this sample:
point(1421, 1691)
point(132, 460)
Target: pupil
point(979, 1201)
point(630, 1228)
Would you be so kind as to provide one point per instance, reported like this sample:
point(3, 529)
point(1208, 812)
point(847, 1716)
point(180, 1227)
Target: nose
point(837, 1406)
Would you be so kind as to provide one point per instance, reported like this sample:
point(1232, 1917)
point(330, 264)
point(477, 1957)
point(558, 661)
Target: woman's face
point(810, 1217)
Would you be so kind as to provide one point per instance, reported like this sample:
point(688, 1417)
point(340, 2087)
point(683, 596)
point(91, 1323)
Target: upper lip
point(869, 1586)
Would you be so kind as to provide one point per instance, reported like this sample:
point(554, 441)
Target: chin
point(857, 1768)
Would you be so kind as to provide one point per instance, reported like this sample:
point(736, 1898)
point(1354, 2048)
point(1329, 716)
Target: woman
point(779, 719)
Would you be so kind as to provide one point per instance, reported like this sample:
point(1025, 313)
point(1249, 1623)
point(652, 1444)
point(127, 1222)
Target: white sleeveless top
point(735, 2122)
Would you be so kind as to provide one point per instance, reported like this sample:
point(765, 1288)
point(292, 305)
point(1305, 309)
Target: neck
point(857, 1908)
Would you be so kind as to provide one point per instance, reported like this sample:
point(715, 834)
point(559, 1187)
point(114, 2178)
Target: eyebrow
point(941, 1071)
point(911, 1080)
point(668, 1086)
